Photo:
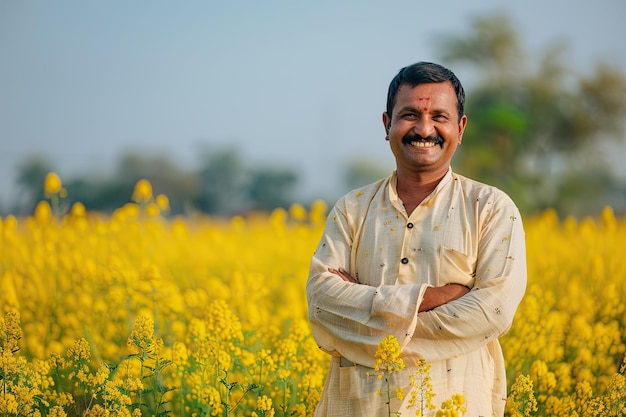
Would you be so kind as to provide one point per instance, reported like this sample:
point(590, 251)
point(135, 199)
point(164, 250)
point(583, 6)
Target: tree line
point(222, 185)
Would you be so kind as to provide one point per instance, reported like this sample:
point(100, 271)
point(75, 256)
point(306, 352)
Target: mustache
point(409, 137)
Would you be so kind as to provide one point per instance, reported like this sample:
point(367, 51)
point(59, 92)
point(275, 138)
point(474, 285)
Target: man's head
point(422, 73)
point(424, 120)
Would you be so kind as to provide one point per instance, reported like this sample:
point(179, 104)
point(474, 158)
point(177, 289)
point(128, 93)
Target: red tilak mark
point(425, 108)
point(423, 98)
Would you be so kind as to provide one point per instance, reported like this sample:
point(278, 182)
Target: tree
point(229, 187)
point(270, 188)
point(222, 184)
point(360, 172)
point(106, 193)
point(180, 184)
point(30, 176)
point(527, 125)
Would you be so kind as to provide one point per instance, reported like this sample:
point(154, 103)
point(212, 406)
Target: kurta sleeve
point(487, 311)
point(350, 319)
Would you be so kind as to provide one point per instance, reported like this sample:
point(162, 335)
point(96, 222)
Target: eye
point(409, 116)
point(440, 118)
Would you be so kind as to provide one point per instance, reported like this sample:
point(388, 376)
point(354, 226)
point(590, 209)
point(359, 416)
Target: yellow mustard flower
point(152, 209)
point(297, 212)
point(79, 352)
point(10, 332)
point(163, 202)
point(142, 192)
point(142, 335)
point(43, 212)
point(387, 355)
point(51, 184)
point(522, 398)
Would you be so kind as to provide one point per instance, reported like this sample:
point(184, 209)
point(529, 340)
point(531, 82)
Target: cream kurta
point(465, 232)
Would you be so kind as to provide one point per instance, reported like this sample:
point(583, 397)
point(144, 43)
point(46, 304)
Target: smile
point(423, 144)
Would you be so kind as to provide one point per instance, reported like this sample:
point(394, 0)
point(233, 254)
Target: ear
point(386, 123)
point(462, 124)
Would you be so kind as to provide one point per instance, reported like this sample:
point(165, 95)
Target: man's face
point(424, 128)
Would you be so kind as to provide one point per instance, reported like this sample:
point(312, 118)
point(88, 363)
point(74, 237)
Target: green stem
point(158, 395)
point(284, 397)
point(388, 394)
point(140, 393)
point(226, 408)
point(4, 383)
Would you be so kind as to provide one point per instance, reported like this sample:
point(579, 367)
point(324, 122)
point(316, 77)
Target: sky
point(294, 84)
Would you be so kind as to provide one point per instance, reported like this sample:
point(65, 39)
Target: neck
point(414, 183)
point(414, 188)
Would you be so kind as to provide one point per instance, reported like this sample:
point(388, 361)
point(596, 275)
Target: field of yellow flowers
point(142, 314)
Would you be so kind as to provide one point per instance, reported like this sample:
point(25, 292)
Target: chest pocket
point(456, 268)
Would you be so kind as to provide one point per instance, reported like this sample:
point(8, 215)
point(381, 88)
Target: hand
point(437, 296)
point(344, 275)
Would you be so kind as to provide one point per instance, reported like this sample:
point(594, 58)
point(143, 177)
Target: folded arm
point(351, 319)
point(435, 322)
point(433, 296)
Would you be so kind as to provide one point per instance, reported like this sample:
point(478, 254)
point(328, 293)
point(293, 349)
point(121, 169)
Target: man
point(431, 257)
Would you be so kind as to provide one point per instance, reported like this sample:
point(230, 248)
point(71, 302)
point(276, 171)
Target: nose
point(424, 127)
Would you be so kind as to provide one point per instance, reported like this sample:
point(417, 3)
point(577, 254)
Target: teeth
point(422, 144)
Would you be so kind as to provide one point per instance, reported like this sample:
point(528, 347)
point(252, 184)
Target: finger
point(342, 274)
point(349, 277)
point(346, 273)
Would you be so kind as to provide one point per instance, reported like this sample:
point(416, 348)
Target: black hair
point(423, 73)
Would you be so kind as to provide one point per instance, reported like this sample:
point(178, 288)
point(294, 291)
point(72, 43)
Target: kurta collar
point(393, 188)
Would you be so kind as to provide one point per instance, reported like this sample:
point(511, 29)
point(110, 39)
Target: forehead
point(441, 95)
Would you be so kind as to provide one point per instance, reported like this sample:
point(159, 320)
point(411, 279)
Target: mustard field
point(139, 313)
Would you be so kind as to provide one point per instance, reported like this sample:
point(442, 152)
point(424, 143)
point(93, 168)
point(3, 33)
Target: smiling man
point(426, 255)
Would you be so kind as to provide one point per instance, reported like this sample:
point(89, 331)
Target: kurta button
point(409, 225)
point(405, 260)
